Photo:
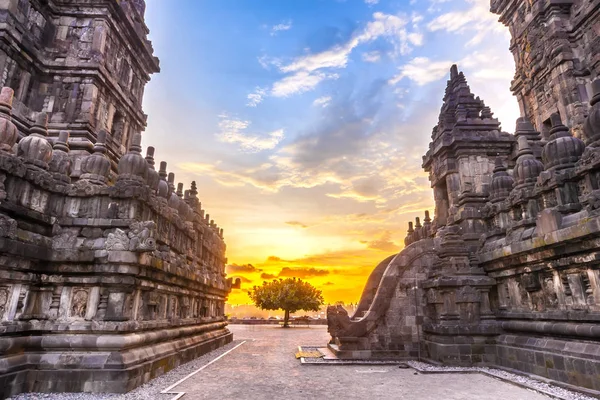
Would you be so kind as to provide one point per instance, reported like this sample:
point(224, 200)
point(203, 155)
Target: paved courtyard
point(264, 367)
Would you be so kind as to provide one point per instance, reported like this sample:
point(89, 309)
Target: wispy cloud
point(306, 72)
point(283, 26)
point(371, 56)
point(371, 2)
point(299, 82)
point(256, 97)
point(477, 20)
point(322, 101)
point(296, 224)
point(422, 70)
point(233, 130)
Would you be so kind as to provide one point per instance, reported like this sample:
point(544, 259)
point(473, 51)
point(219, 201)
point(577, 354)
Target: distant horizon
point(304, 123)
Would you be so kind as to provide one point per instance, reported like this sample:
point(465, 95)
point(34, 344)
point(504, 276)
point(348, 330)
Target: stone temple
point(507, 272)
point(110, 275)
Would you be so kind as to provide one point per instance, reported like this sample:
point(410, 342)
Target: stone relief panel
point(79, 301)
point(4, 297)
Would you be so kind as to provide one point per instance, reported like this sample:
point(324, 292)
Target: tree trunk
point(286, 319)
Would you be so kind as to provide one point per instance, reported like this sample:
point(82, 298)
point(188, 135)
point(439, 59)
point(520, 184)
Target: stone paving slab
point(264, 367)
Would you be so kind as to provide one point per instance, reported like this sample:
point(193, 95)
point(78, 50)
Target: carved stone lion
point(338, 321)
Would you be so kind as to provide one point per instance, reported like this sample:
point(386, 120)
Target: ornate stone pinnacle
point(40, 127)
point(162, 172)
point(454, 71)
point(193, 190)
point(410, 228)
point(418, 223)
point(35, 148)
point(100, 145)
point(136, 143)
point(132, 166)
point(96, 167)
point(163, 186)
point(499, 165)
point(61, 144)
point(179, 192)
point(6, 100)
point(153, 178)
point(150, 156)
point(60, 165)
point(524, 148)
point(8, 131)
point(427, 219)
point(558, 128)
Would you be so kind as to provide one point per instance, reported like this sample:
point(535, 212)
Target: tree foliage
point(290, 295)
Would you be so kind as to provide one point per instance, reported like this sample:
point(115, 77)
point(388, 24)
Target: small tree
point(289, 295)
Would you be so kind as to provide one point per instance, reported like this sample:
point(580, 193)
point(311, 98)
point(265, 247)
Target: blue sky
point(304, 121)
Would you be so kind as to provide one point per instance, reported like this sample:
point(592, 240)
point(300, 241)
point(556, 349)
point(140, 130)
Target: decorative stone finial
point(528, 168)
point(562, 150)
point(132, 166)
point(174, 200)
point(418, 223)
point(35, 148)
point(61, 144)
point(60, 165)
point(8, 131)
point(179, 192)
point(96, 167)
point(591, 127)
point(163, 186)
point(153, 178)
point(171, 182)
point(454, 71)
point(410, 228)
point(502, 182)
point(193, 190)
point(427, 219)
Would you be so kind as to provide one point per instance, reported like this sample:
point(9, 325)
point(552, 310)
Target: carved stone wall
point(556, 46)
point(99, 253)
point(85, 63)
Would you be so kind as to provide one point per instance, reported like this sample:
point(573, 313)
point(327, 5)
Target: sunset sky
point(304, 122)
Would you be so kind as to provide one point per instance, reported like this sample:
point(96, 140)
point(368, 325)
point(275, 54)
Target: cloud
point(302, 272)
point(306, 72)
point(243, 268)
point(372, 56)
point(384, 243)
point(267, 62)
point(322, 101)
point(296, 223)
point(422, 70)
point(477, 20)
point(283, 26)
point(256, 98)
point(233, 130)
point(371, 2)
point(484, 64)
point(267, 276)
point(328, 284)
point(299, 82)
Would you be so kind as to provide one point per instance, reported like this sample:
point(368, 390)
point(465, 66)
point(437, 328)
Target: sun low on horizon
point(304, 123)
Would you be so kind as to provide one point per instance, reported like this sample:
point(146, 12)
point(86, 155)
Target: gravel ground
point(150, 390)
point(534, 384)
